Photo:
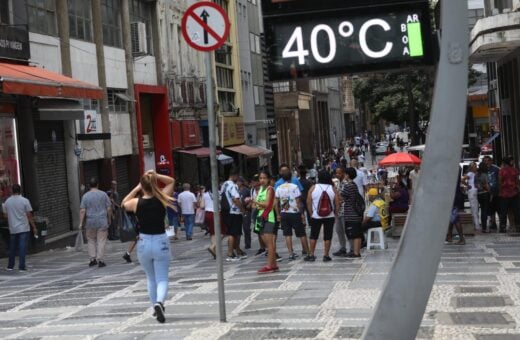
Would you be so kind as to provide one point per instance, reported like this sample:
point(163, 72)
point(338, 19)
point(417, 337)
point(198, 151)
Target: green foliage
point(387, 95)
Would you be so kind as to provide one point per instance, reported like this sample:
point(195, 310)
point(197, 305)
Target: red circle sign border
point(190, 11)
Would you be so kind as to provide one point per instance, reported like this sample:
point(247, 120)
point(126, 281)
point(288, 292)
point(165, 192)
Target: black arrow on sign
point(205, 15)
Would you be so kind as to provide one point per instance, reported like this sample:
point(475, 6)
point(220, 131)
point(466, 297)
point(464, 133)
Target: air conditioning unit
point(138, 34)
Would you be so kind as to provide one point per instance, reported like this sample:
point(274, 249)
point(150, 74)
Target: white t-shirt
point(316, 194)
point(287, 194)
point(208, 202)
point(361, 181)
point(186, 201)
point(231, 190)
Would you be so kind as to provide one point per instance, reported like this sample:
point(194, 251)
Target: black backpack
point(224, 203)
point(359, 205)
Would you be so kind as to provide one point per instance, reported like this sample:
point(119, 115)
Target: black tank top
point(150, 214)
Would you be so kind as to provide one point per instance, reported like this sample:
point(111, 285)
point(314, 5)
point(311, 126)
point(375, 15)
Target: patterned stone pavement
point(476, 296)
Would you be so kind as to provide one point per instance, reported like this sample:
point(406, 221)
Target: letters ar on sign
point(205, 26)
point(327, 37)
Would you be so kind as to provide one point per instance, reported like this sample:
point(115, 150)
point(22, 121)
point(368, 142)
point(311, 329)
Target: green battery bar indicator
point(415, 39)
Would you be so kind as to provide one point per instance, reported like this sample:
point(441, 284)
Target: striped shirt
point(349, 192)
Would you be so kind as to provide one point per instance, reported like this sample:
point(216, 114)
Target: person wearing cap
point(376, 215)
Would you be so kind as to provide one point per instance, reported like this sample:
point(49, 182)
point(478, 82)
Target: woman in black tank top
point(153, 246)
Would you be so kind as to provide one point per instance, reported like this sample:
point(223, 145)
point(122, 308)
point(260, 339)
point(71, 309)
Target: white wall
point(45, 51)
point(84, 62)
point(115, 67)
point(121, 134)
point(145, 71)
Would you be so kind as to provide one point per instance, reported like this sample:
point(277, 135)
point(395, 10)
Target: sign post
point(205, 26)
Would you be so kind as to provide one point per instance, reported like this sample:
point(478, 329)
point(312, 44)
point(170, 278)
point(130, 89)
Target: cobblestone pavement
point(476, 296)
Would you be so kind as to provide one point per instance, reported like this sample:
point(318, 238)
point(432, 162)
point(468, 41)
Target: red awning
point(250, 151)
point(37, 82)
point(199, 152)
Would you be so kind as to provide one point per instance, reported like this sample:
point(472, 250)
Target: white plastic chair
point(370, 238)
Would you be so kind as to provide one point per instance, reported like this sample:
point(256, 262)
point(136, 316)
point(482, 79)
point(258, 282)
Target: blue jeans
point(189, 220)
point(153, 252)
point(19, 241)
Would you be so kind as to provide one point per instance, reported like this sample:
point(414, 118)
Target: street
point(475, 295)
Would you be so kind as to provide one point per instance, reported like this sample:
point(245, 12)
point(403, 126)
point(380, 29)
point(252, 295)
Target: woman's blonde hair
point(149, 184)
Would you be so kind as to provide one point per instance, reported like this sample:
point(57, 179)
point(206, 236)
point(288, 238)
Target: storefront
point(9, 155)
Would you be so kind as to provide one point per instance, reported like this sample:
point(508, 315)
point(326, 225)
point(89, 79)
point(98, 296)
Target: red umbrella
point(400, 159)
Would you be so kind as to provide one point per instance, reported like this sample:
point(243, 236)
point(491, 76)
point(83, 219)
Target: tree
point(388, 96)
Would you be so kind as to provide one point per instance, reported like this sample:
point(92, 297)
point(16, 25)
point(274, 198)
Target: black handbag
point(128, 227)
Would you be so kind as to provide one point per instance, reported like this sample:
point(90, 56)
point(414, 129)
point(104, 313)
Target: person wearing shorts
point(313, 201)
point(265, 223)
point(233, 218)
point(290, 214)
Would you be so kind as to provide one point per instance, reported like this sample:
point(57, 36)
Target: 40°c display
point(309, 46)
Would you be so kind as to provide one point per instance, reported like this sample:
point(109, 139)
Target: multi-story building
point(495, 40)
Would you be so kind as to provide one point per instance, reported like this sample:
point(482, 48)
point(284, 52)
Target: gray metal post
point(402, 303)
point(214, 185)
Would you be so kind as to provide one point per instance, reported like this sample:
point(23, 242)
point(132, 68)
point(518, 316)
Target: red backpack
point(324, 204)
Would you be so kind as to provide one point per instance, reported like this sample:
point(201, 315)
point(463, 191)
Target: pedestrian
point(188, 203)
point(483, 194)
point(509, 184)
point(306, 185)
point(400, 197)
point(458, 205)
point(414, 179)
point(353, 210)
point(339, 224)
point(245, 198)
point(232, 216)
point(284, 168)
point(494, 188)
point(153, 248)
point(360, 179)
point(173, 212)
point(18, 211)
point(95, 216)
point(290, 214)
point(377, 213)
point(265, 222)
point(323, 206)
point(207, 205)
point(116, 205)
point(472, 192)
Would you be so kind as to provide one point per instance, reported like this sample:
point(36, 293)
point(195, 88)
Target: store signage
point(14, 43)
point(232, 130)
point(90, 121)
point(321, 39)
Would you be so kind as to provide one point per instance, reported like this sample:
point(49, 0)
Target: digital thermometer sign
point(347, 40)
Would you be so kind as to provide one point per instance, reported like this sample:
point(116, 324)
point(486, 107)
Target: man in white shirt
point(290, 214)
point(361, 179)
point(188, 203)
point(233, 218)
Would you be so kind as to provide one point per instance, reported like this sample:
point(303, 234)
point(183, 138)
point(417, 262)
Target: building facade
point(495, 40)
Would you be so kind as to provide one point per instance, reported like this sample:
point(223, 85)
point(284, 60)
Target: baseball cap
point(373, 192)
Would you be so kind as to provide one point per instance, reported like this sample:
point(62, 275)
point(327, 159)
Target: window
point(223, 55)
point(257, 44)
point(90, 104)
point(254, 43)
point(80, 19)
point(140, 11)
point(41, 16)
point(117, 100)
point(4, 11)
point(226, 101)
point(282, 86)
point(111, 22)
point(256, 95)
point(223, 4)
point(224, 78)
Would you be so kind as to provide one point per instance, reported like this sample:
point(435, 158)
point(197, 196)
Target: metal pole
point(214, 186)
point(403, 300)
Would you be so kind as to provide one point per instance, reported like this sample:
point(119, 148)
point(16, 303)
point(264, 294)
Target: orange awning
point(249, 151)
point(37, 82)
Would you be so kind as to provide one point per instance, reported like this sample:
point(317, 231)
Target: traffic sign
point(327, 37)
point(205, 26)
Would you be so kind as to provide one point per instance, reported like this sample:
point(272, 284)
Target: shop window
point(42, 16)
point(111, 21)
point(9, 166)
point(80, 19)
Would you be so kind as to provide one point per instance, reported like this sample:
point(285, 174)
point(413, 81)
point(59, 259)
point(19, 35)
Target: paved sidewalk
point(476, 296)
